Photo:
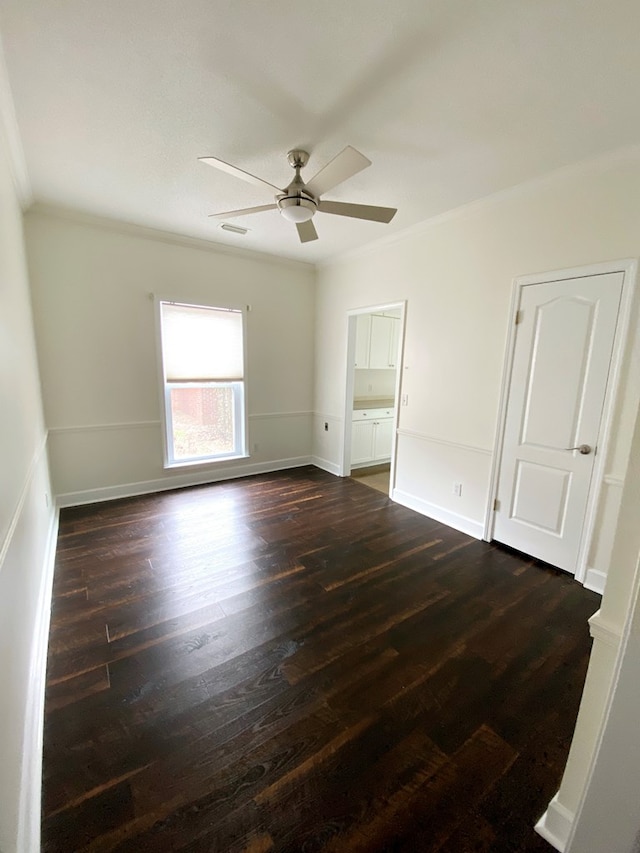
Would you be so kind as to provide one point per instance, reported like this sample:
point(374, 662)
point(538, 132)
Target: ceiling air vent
point(235, 229)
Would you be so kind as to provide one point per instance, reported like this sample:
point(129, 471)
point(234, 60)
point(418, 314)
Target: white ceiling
point(452, 100)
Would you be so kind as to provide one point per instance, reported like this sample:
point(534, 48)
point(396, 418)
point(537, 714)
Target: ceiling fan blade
point(243, 212)
point(307, 231)
point(238, 173)
point(358, 211)
point(345, 164)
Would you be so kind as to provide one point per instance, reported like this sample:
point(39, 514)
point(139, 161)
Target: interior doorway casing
point(629, 269)
point(352, 315)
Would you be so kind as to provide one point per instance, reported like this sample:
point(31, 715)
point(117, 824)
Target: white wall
point(26, 534)
point(374, 383)
point(456, 274)
point(95, 327)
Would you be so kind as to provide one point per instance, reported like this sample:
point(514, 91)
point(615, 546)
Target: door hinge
point(496, 504)
point(518, 316)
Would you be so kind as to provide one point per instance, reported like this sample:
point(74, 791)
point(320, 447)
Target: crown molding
point(592, 165)
point(145, 232)
point(11, 135)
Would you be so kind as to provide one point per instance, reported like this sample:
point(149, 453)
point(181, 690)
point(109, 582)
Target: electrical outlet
point(256, 447)
point(405, 399)
point(457, 489)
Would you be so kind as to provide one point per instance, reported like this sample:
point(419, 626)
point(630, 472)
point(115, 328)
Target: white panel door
point(562, 354)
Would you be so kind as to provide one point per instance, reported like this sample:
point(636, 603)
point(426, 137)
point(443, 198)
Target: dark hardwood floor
point(292, 662)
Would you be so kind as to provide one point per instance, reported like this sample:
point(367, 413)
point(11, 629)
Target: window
point(203, 381)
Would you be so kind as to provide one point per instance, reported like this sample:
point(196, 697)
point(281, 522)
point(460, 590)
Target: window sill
point(198, 463)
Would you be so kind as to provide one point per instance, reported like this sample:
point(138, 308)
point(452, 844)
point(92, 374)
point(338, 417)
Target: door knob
point(585, 449)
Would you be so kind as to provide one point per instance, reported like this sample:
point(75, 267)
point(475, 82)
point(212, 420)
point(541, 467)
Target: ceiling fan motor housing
point(297, 204)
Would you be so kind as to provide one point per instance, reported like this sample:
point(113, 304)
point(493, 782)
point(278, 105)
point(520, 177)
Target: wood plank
point(293, 662)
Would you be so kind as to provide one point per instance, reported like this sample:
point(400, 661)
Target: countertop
point(373, 403)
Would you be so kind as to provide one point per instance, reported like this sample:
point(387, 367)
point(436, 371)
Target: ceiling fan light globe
point(297, 214)
point(296, 209)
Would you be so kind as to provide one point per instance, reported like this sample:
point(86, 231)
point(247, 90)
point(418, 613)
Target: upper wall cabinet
point(384, 334)
point(377, 337)
point(363, 339)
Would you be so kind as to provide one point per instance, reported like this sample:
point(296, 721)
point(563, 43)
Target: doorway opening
point(372, 399)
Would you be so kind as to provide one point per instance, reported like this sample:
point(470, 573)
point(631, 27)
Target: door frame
point(629, 268)
point(352, 315)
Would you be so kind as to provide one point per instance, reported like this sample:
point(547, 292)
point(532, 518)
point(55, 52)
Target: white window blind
point(201, 344)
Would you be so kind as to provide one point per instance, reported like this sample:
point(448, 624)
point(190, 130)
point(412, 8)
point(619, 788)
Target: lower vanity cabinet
point(383, 438)
point(371, 436)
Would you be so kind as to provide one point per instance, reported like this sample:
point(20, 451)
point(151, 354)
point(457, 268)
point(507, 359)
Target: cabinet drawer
point(371, 414)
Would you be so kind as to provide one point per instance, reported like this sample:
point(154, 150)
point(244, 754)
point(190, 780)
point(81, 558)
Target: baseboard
point(326, 465)
point(555, 825)
point(384, 461)
point(180, 481)
point(31, 781)
point(604, 631)
point(459, 522)
point(595, 580)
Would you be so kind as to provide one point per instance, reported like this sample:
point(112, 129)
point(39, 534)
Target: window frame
point(239, 387)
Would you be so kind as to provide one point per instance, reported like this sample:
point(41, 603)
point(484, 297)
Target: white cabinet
point(380, 356)
point(394, 343)
point(362, 441)
point(363, 339)
point(383, 438)
point(377, 337)
point(371, 436)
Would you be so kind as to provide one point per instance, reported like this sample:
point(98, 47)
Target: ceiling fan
point(299, 201)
